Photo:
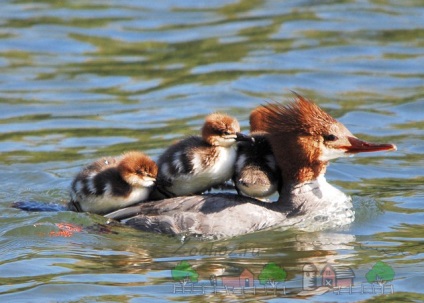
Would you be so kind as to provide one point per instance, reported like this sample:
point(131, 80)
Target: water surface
point(82, 80)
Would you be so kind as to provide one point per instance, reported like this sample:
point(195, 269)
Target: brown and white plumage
point(304, 138)
point(195, 164)
point(111, 183)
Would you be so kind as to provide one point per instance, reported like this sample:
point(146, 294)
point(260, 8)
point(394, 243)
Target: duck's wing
point(214, 215)
point(196, 203)
point(124, 213)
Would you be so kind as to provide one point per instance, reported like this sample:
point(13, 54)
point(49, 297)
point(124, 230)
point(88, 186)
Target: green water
point(80, 80)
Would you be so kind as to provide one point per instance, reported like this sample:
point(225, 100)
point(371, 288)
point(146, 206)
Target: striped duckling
point(112, 183)
point(198, 163)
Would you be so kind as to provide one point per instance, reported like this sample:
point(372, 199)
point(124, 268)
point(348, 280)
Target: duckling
point(112, 183)
point(196, 164)
point(256, 172)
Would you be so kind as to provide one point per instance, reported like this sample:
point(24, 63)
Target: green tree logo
point(272, 274)
point(380, 273)
point(184, 273)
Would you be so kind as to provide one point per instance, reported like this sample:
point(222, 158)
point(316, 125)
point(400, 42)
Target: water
point(79, 80)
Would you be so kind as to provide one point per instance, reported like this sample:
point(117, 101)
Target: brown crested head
point(222, 130)
point(257, 119)
point(301, 117)
point(304, 138)
point(136, 168)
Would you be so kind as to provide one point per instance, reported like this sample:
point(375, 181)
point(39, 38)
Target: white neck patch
point(332, 153)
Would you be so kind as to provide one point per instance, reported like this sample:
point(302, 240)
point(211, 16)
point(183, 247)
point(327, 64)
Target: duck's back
point(216, 215)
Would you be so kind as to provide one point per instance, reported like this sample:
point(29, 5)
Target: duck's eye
point(330, 137)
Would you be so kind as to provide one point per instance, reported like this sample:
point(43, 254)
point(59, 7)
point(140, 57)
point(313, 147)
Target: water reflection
point(82, 80)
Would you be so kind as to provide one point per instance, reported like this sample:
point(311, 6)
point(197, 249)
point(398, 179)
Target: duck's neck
point(310, 194)
point(316, 204)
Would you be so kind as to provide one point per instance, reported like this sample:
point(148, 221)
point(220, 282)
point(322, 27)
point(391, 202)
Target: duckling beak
point(243, 137)
point(149, 181)
point(359, 146)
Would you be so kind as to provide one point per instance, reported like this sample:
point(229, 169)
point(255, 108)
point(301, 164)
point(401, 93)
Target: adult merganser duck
point(196, 164)
point(112, 183)
point(256, 173)
point(303, 139)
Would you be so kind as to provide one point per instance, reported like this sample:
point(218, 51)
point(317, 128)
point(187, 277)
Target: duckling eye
point(330, 137)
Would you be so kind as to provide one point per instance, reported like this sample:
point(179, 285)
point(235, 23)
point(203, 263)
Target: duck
point(198, 163)
point(111, 183)
point(303, 138)
point(256, 173)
